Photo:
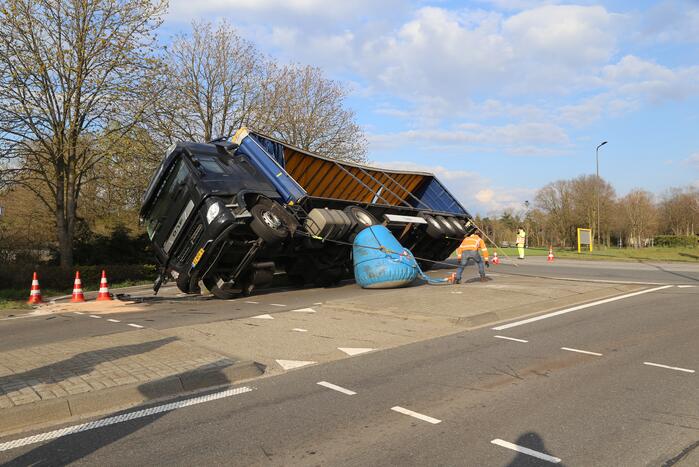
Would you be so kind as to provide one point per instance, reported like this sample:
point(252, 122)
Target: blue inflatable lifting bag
point(380, 261)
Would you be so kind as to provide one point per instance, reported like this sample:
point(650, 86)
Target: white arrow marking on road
point(263, 317)
point(337, 388)
point(304, 310)
point(529, 452)
point(352, 351)
point(420, 416)
point(300, 330)
point(576, 308)
point(291, 364)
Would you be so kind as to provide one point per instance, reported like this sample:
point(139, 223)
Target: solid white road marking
point(669, 367)
point(511, 338)
point(113, 320)
point(263, 317)
point(527, 451)
point(576, 308)
point(135, 325)
point(95, 316)
point(587, 352)
point(69, 430)
point(276, 304)
point(252, 303)
point(352, 351)
point(300, 330)
point(78, 313)
point(292, 364)
point(685, 286)
point(304, 310)
point(420, 416)
point(337, 388)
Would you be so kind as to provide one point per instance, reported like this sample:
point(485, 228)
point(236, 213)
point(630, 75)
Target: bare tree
point(214, 78)
point(640, 216)
point(679, 210)
point(306, 109)
point(70, 70)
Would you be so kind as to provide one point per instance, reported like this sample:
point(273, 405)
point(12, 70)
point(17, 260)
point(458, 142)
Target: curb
point(53, 412)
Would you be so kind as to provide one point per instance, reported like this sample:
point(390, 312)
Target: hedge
point(676, 240)
point(54, 277)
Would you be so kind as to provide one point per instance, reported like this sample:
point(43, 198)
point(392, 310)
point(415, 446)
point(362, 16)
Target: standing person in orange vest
point(471, 249)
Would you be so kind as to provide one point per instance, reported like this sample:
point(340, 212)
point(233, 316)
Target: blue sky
point(499, 97)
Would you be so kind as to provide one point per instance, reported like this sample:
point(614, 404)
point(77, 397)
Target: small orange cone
point(77, 289)
point(549, 258)
point(452, 278)
point(495, 260)
point(104, 288)
point(35, 292)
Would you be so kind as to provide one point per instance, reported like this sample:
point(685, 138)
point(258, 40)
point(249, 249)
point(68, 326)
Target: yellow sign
point(197, 258)
point(584, 238)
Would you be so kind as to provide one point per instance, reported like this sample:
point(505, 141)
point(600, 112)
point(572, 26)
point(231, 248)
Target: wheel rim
point(363, 218)
point(271, 220)
point(434, 222)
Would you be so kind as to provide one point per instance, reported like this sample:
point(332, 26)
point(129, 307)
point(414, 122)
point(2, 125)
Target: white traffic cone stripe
point(104, 290)
point(77, 291)
point(35, 292)
point(35, 282)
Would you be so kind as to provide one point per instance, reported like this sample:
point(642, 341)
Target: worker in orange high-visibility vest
point(471, 249)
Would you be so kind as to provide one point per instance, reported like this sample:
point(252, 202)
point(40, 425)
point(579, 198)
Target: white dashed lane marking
point(252, 303)
point(304, 310)
point(113, 320)
point(69, 430)
point(579, 307)
point(686, 370)
point(262, 317)
point(300, 330)
point(95, 316)
point(276, 304)
point(527, 451)
point(419, 416)
point(337, 388)
point(586, 352)
point(511, 339)
point(78, 313)
point(135, 325)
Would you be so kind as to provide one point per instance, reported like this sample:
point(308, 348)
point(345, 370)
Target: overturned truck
point(230, 214)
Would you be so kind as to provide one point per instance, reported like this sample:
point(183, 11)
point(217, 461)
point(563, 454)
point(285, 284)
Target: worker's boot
point(483, 279)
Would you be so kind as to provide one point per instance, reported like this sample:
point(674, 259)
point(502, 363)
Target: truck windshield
point(169, 191)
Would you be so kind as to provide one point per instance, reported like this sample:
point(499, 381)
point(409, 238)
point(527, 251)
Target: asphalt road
point(476, 396)
point(26, 331)
point(651, 272)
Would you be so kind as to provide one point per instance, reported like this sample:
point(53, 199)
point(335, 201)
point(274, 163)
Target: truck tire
point(361, 219)
point(434, 227)
point(448, 228)
point(222, 293)
point(268, 221)
point(458, 226)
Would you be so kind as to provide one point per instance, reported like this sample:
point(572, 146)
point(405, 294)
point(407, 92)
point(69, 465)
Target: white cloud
point(693, 160)
point(672, 21)
point(478, 194)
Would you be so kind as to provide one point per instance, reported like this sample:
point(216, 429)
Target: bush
point(689, 241)
point(17, 276)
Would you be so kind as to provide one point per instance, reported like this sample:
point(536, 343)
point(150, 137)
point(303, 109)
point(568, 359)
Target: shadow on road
point(77, 365)
point(531, 440)
point(72, 448)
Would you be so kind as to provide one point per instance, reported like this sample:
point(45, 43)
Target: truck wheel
point(268, 223)
point(434, 228)
point(448, 228)
point(211, 283)
point(361, 220)
point(458, 226)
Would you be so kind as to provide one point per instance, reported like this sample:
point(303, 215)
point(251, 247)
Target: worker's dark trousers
point(467, 256)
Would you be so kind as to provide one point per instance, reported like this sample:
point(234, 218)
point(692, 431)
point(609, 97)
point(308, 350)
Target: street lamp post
point(598, 186)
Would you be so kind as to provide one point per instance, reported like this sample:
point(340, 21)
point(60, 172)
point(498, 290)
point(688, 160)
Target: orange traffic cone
point(35, 292)
point(104, 288)
point(77, 289)
point(549, 258)
point(496, 260)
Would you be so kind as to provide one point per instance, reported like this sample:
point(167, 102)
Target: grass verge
point(683, 254)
